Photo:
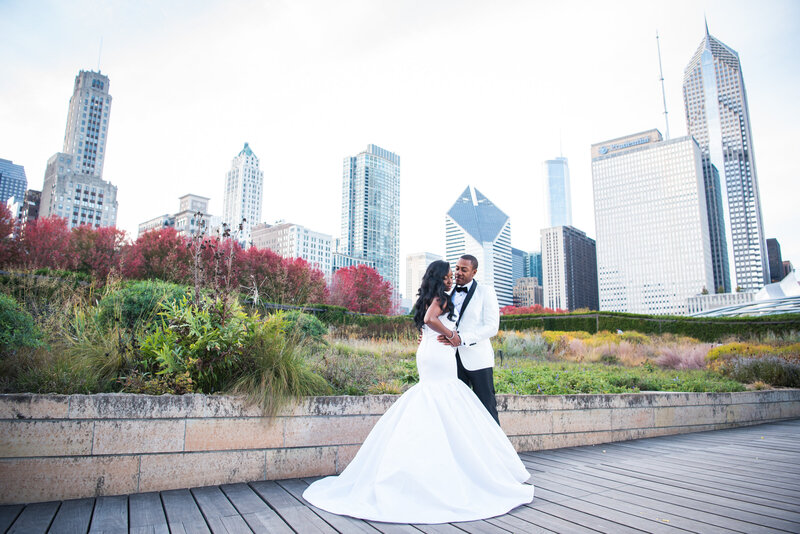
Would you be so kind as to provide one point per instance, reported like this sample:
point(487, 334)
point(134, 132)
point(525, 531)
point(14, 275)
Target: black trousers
point(482, 383)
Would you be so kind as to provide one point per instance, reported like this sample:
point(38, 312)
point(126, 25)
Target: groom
point(478, 321)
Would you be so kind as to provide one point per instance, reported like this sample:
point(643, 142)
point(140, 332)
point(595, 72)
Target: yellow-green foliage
point(754, 350)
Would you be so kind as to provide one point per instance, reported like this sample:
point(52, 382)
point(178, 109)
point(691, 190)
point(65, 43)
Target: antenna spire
point(661, 79)
point(99, 53)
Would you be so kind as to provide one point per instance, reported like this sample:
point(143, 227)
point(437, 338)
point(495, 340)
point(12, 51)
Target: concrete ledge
point(55, 447)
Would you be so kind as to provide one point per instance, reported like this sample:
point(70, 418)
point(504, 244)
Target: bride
point(436, 455)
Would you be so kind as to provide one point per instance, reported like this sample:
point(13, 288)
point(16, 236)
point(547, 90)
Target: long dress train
point(436, 455)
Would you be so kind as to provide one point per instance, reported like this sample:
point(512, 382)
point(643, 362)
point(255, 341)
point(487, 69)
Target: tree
point(96, 251)
point(268, 277)
point(44, 243)
point(158, 254)
point(9, 247)
point(361, 289)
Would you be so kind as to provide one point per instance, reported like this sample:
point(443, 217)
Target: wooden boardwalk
point(736, 480)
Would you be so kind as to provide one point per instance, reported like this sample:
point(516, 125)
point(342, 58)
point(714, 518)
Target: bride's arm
point(432, 319)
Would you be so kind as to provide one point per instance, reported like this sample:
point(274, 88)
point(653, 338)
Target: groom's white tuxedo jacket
point(479, 321)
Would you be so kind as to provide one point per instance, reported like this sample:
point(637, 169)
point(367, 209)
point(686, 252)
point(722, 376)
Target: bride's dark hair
point(433, 287)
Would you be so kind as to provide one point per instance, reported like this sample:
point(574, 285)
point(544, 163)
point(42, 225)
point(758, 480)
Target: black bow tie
point(461, 289)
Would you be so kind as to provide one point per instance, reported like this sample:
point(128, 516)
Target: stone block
point(30, 406)
point(45, 438)
point(526, 423)
point(574, 439)
point(217, 434)
point(590, 420)
point(137, 436)
point(26, 480)
point(691, 415)
point(625, 418)
point(333, 430)
point(526, 443)
point(130, 406)
point(191, 469)
point(341, 405)
point(300, 462)
point(344, 455)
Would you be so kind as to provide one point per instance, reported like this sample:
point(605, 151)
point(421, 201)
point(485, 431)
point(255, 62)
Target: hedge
point(702, 328)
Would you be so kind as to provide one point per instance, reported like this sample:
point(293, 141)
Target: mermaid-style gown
point(436, 455)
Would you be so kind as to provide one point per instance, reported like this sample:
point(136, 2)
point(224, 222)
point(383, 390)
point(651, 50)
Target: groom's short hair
point(472, 259)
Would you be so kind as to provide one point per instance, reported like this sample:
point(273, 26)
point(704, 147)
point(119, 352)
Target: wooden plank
point(481, 527)
point(182, 512)
point(515, 524)
point(676, 516)
point(147, 513)
point(587, 521)
point(297, 516)
point(623, 518)
point(699, 501)
point(35, 518)
point(549, 522)
point(218, 511)
point(110, 515)
point(8, 514)
point(444, 528)
point(73, 516)
point(342, 523)
point(709, 465)
point(258, 515)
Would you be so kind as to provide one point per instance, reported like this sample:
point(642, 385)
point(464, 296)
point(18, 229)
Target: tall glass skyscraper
point(13, 182)
point(653, 246)
point(371, 211)
point(717, 117)
point(474, 225)
point(558, 199)
point(244, 194)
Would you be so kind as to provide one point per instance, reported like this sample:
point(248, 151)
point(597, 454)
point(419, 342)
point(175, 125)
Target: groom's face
point(464, 272)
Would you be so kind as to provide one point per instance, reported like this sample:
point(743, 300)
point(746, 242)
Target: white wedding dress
point(436, 455)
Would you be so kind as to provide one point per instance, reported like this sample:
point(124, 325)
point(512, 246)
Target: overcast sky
point(465, 92)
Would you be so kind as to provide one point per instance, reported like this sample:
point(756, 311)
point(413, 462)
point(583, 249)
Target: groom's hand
point(455, 342)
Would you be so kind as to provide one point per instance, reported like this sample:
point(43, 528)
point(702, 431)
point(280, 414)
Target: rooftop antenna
point(99, 53)
point(661, 79)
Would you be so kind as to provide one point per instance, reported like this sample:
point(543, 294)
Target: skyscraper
point(371, 211)
point(476, 226)
point(533, 265)
point(557, 195)
point(244, 194)
point(569, 266)
point(74, 187)
point(292, 240)
point(717, 116)
point(517, 264)
point(416, 265)
point(13, 182)
point(653, 246)
point(776, 273)
point(87, 122)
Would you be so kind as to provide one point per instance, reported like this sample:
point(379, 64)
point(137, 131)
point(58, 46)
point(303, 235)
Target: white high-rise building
point(295, 241)
point(477, 227)
point(416, 265)
point(653, 244)
point(557, 194)
point(244, 194)
point(371, 212)
point(717, 116)
point(87, 122)
point(73, 182)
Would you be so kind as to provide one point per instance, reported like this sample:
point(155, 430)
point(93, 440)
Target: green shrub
point(202, 342)
point(137, 303)
point(306, 324)
point(773, 370)
point(17, 328)
point(272, 369)
point(47, 371)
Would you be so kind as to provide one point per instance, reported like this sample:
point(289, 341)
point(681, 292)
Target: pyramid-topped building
point(474, 225)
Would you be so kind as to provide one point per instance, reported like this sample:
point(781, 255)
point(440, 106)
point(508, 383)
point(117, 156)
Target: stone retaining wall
point(55, 447)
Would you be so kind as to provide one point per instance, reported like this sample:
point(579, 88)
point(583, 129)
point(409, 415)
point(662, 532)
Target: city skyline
point(457, 108)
